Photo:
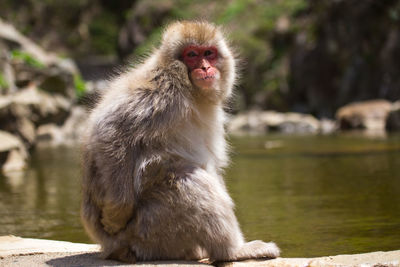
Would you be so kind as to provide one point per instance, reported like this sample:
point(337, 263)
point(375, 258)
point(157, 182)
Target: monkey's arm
point(149, 113)
point(123, 138)
point(108, 184)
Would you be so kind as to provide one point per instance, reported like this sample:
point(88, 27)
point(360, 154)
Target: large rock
point(14, 119)
point(38, 87)
point(393, 119)
point(75, 126)
point(71, 132)
point(9, 142)
point(261, 122)
point(23, 63)
point(41, 106)
point(21, 113)
point(19, 41)
point(369, 115)
point(50, 134)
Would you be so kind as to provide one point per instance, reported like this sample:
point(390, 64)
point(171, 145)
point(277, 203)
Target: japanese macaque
point(154, 154)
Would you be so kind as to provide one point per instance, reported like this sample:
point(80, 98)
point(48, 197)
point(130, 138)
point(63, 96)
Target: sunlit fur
point(153, 159)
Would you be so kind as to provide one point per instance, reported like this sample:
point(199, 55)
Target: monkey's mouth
point(208, 77)
point(205, 82)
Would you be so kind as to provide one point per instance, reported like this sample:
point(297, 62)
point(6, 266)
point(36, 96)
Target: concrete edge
point(12, 245)
point(42, 252)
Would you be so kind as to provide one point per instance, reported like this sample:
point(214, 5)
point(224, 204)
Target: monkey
point(155, 151)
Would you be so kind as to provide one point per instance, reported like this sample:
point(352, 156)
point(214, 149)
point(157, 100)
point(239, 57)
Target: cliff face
point(350, 53)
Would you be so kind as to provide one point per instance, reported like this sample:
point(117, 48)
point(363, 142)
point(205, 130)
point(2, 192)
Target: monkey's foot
point(258, 249)
point(124, 254)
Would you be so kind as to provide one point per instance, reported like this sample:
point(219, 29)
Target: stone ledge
point(17, 251)
point(14, 246)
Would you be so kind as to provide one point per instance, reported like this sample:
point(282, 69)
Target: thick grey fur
point(153, 159)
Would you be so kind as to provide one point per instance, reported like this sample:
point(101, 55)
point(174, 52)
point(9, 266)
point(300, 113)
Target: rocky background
point(39, 98)
point(308, 66)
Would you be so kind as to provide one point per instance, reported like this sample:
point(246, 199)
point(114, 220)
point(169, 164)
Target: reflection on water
point(44, 201)
point(313, 195)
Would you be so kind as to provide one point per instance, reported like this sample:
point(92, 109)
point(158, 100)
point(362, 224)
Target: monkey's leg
point(124, 254)
point(223, 238)
point(229, 245)
point(256, 249)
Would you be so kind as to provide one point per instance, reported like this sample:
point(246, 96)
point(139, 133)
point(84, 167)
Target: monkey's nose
point(205, 65)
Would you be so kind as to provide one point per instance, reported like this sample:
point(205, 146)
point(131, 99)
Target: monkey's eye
point(208, 53)
point(191, 54)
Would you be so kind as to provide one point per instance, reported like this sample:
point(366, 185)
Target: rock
point(10, 34)
point(14, 119)
point(16, 161)
point(246, 123)
point(327, 126)
point(24, 63)
point(372, 259)
point(297, 123)
point(260, 122)
point(369, 115)
point(16, 251)
point(70, 132)
point(22, 112)
point(13, 154)
point(42, 107)
point(5, 102)
point(49, 79)
point(75, 126)
point(8, 73)
point(26, 130)
point(54, 84)
point(36, 115)
point(9, 142)
point(13, 245)
point(393, 119)
point(37, 89)
point(50, 134)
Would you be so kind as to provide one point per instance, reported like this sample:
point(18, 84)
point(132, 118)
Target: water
point(313, 195)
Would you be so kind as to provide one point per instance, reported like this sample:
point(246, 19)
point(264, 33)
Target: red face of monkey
point(201, 62)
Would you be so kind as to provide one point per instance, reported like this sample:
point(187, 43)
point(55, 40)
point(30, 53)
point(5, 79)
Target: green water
point(312, 195)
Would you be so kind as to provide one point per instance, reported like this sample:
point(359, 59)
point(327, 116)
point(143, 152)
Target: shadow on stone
point(94, 259)
point(84, 259)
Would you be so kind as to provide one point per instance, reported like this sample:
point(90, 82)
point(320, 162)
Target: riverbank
point(17, 251)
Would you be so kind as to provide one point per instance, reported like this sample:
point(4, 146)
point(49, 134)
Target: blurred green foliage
point(252, 27)
point(104, 33)
point(80, 86)
point(146, 47)
point(3, 82)
point(27, 59)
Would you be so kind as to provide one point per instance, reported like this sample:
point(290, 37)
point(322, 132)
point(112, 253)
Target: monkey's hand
point(177, 73)
point(179, 67)
point(114, 218)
